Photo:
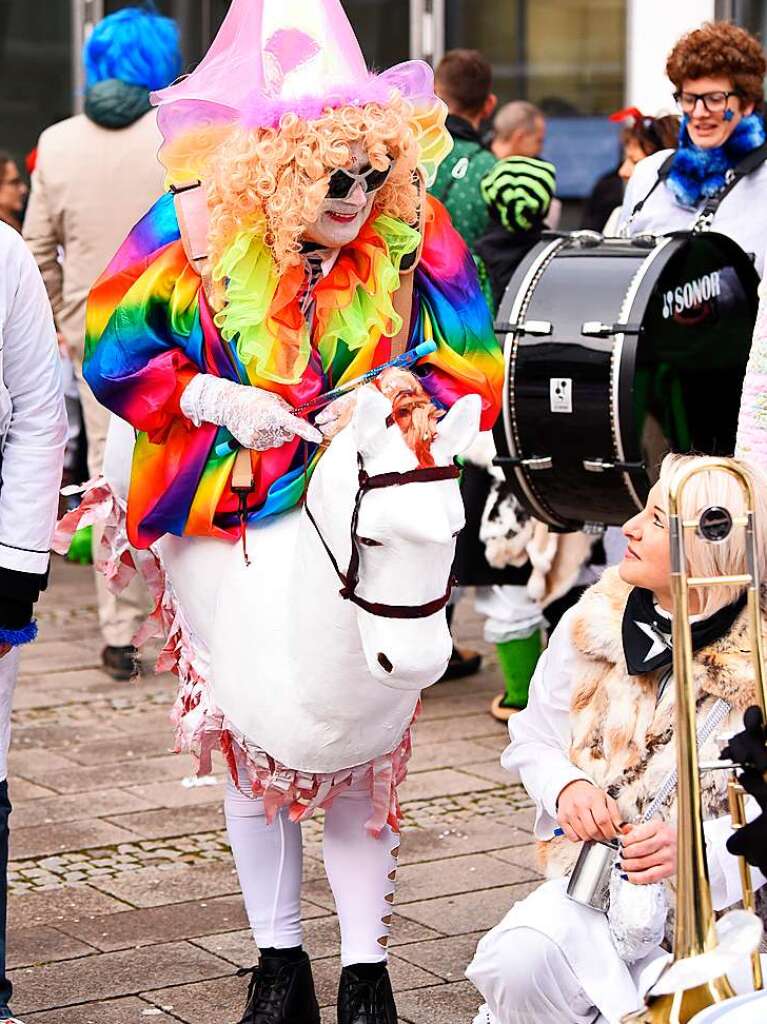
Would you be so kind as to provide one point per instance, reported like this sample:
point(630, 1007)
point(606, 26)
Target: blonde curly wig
point(278, 178)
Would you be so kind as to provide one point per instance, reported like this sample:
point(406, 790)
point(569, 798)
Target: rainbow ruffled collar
point(263, 318)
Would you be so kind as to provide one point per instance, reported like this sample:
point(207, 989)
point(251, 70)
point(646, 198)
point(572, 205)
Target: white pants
point(551, 959)
point(360, 868)
point(509, 611)
point(9, 669)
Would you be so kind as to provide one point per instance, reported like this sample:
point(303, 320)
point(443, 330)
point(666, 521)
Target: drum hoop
point(624, 317)
point(521, 301)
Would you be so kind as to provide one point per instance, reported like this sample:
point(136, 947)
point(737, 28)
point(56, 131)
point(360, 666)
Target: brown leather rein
point(350, 579)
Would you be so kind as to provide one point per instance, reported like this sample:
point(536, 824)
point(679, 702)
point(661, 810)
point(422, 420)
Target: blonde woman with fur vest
point(594, 747)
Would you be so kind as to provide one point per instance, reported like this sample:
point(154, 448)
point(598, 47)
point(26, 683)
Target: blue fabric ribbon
point(698, 173)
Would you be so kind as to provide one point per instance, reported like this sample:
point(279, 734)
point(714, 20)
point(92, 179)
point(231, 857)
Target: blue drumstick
point(401, 362)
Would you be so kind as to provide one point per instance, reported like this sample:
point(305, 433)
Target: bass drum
point(616, 352)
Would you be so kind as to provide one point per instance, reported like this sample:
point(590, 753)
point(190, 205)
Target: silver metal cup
point(589, 882)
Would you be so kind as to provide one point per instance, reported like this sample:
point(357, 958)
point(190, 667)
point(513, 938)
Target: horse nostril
point(384, 662)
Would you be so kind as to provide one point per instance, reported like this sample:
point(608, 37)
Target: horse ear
point(369, 421)
point(457, 430)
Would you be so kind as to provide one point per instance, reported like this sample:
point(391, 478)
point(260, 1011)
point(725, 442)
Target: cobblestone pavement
point(124, 903)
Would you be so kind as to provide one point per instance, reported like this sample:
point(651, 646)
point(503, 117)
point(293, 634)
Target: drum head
point(620, 352)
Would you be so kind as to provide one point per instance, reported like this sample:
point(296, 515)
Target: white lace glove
point(257, 419)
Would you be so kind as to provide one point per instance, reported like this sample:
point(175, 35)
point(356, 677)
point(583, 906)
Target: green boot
point(517, 659)
point(81, 546)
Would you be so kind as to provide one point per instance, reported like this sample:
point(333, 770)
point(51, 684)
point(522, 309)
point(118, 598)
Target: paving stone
point(23, 762)
point(450, 754)
point(42, 945)
point(174, 794)
point(21, 790)
point(40, 840)
point(490, 770)
point(446, 1004)
point(108, 975)
point(441, 841)
point(458, 874)
point(178, 821)
point(220, 1000)
point(442, 781)
point(65, 903)
point(56, 809)
point(447, 958)
point(467, 912)
point(127, 773)
point(115, 1011)
point(155, 887)
point(123, 748)
point(134, 928)
point(522, 856)
point(462, 727)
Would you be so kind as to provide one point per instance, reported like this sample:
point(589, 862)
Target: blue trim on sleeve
point(17, 637)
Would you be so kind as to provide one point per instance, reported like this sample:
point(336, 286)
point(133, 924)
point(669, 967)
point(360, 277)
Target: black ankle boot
point(281, 991)
point(364, 1000)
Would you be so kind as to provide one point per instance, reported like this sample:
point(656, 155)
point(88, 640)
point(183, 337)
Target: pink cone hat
point(272, 57)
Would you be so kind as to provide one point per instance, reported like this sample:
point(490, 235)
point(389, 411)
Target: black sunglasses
point(342, 183)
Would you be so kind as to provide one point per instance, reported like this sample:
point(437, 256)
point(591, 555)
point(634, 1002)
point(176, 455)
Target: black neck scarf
point(647, 633)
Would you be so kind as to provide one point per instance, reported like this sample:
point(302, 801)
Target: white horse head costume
point(320, 680)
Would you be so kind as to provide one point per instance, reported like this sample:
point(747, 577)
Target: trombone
point(694, 932)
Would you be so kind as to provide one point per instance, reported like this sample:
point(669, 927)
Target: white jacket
point(33, 425)
point(742, 215)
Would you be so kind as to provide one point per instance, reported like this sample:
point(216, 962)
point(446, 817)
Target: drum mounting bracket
point(596, 329)
point(540, 327)
point(534, 462)
point(601, 465)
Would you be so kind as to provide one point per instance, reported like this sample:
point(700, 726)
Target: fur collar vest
point(622, 729)
point(698, 173)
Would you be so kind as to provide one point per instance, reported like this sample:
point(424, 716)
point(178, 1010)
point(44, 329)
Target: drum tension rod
point(539, 327)
point(534, 462)
point(601, 465)
point(596, 329)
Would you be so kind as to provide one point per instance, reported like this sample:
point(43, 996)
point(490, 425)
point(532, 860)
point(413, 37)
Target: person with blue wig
point(129, 54)
point(96, 174)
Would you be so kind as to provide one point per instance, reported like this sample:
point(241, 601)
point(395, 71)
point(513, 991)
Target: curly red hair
point(719, 48)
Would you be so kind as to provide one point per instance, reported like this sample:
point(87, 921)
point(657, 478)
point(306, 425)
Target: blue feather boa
point(17, 637)
point(698, 173)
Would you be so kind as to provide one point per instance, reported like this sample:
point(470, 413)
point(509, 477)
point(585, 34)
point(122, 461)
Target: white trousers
point(509, 611)
point(9, 670)
point(360, 868)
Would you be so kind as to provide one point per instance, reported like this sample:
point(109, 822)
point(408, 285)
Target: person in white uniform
point(718, 75)
point(33, 431)
point(594, 748)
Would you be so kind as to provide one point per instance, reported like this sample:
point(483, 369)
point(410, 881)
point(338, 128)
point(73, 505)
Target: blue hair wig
point(138, 46)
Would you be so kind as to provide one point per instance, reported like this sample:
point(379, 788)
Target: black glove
point(749, 748)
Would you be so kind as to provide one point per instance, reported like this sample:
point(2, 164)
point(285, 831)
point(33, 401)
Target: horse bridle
point(350, 579)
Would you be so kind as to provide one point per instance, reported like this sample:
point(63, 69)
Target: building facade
point(578, 59)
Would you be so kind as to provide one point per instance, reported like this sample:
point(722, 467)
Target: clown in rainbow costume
point(294, 251)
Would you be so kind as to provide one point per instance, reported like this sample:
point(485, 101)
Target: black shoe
point(281, 991)
point(365, 1000)
point(462, 663)
point(121, 662)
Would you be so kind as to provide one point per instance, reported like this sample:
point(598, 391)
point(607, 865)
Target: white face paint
point(340, 220)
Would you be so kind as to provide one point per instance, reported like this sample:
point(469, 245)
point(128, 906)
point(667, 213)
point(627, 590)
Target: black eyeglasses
point(714, 102)
point(342, 183)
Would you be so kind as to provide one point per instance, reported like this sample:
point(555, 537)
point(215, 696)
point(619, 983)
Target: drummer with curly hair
point(718, 76)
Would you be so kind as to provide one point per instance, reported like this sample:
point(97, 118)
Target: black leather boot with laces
point(281, 991)
point(366, 997)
